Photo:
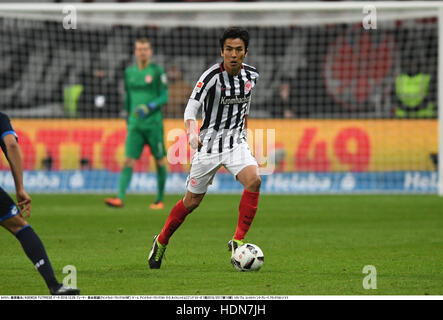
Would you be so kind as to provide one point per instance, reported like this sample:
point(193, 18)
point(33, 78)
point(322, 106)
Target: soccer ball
point(247, 257)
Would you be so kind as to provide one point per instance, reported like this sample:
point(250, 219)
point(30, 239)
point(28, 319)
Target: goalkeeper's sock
point(175, 219)
point(125, 179)
point(161, 182)
point(36, 252)
point(247, 210)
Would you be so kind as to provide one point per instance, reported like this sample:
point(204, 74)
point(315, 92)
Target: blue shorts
point(8, 209)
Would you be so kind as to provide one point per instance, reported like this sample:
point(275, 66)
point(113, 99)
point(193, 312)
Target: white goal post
point(281, 31)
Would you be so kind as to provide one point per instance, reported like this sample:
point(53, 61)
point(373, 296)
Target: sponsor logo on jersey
point(234, 100)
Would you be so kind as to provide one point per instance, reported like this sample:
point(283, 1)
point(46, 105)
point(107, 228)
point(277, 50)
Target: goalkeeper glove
point(143, 110)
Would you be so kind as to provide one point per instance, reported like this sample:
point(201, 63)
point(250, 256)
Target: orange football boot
point(157, 205)
point(114, 202)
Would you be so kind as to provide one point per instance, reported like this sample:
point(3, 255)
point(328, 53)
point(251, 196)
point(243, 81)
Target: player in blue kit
point(11, 215)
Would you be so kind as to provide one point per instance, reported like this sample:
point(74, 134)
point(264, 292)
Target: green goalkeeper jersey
point(145, 88)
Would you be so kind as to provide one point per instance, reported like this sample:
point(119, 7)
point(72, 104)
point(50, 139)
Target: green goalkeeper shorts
point(138, 138)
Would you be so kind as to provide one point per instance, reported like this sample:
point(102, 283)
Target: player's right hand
point(194, 141)
point(24, 203)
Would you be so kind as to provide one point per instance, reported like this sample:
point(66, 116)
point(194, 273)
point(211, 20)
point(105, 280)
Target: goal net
point(347, 99)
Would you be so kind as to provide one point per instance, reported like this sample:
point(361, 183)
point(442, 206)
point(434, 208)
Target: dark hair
point(234, 33)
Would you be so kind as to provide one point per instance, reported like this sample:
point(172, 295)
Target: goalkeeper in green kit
point(146, 93)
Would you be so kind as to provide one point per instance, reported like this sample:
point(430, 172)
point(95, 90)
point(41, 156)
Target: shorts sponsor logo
point(14, 210)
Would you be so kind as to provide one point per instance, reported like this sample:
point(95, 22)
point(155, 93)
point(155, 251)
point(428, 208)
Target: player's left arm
point(248, 106)
point(162, 97)
point(15, 159)
point(245, 127)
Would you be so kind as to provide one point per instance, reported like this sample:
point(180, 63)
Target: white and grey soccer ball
point(247, 257)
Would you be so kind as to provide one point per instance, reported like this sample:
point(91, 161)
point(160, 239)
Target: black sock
point(36, 252)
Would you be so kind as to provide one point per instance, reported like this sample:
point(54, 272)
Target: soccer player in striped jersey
point(11, 214)
point(224, 93)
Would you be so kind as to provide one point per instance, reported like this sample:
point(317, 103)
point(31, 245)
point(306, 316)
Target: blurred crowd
point(322, 71)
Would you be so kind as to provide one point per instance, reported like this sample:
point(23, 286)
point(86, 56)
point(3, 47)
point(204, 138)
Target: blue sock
point(36, 252)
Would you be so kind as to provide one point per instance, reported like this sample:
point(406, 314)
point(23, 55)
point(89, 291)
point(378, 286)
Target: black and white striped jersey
point(225, 102)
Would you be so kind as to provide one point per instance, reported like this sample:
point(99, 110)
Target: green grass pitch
point(313, 245)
